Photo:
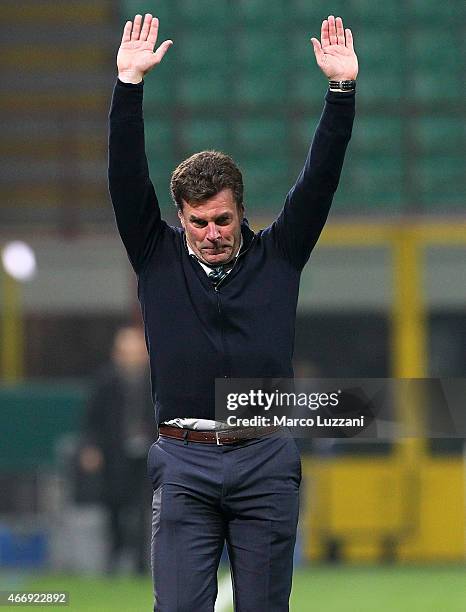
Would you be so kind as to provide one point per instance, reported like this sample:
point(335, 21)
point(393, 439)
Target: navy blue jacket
point(245, 328)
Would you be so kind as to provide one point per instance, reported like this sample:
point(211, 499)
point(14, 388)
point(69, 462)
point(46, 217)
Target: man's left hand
point(334, 53)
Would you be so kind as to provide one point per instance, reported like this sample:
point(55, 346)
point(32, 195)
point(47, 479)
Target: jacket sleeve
point(133, 196)
point(307, 205)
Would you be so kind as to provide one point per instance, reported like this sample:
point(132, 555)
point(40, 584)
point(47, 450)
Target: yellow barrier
point(407, 506)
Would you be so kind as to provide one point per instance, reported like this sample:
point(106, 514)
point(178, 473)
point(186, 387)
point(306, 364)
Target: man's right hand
point(136, 55)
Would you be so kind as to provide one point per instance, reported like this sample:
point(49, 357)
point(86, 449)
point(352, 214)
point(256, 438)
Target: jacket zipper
point(234, 265)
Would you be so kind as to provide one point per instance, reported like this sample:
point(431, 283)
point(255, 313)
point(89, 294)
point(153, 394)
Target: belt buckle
point(217, 439)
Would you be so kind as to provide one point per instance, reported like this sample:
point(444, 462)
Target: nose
point(213, 232)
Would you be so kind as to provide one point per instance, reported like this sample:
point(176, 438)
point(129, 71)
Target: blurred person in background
point(118, 431)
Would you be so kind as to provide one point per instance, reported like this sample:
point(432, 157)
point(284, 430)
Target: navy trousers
point(204, 494)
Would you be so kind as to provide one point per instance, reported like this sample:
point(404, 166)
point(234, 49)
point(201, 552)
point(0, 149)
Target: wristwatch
point(349, 85)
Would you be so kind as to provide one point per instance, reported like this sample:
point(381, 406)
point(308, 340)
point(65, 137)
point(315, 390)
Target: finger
point(153, 32)
point(127, 32)
point(324, 34)
point(349, 39)
point(136, 27)
point(145, 27)
point(317, 50)
point(332, 30)
point(162, 50)
point(340, 31)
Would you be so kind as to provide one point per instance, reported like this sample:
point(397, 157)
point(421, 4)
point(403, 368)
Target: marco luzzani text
point(277, 400)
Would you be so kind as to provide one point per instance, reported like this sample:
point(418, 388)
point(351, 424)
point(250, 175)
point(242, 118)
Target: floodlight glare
point(19, 260)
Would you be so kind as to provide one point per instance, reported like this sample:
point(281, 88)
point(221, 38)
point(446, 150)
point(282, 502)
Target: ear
point(180, 217)
point(241, 212)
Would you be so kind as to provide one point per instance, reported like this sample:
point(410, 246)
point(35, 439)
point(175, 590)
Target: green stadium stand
point(377, 135)
point(242, 78)
point(312, 13)
point(306, 87)
point(256, 136)
point(386, 90)
point(438, 180)
point(160, 137)
point(437, 135)
point(435, 48)
point(160, 173)
point(204, 134)
point(436, 13)
point(375, 183)
point(256, 49)
point(436, 53)
point(163, 9)
point(204, 13)
point(380, 80)
point(259, 89)
point(202, 49)
point(266, 183)
point(368, 12)
point(429, 87)
point(159, 91)
point(262, 12)
point(204, 87)
point(299, 54)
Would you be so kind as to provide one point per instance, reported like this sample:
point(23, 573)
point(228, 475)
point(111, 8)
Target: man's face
point(213, 227)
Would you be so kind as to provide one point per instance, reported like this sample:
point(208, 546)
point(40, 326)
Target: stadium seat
point(430, 87)
point(159, 90)
point(437, 135)
point(435, 48)
point(440, 181)
point(202, 13)
point(379, 87)
point(259, 88)
point(379, 80)
point(377, 136)
point(262, 12)
point(258, 49)
point(439, 71)
point(436, 13)
point(163, 9)
point(261, 136)
point(160, 173)
point(202, 49)
point(159, 136)
point(312, 13)
point(265, 187)
point(368, 12)
point(204, 134)
point(372, 54)
point(306, 87)
point(203, 88)
point(375, 183)
point(300, 55)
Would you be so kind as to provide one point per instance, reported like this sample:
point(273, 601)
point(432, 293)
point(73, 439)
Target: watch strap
point(348, 85)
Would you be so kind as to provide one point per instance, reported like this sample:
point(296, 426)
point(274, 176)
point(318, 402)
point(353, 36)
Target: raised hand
point(335, 54)
point(136, 55)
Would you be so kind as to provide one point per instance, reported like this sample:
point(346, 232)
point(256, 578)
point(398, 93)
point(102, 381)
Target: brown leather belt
point(216, 437)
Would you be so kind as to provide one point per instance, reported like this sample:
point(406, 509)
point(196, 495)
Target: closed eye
point(223, 220)
point(198, 222)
